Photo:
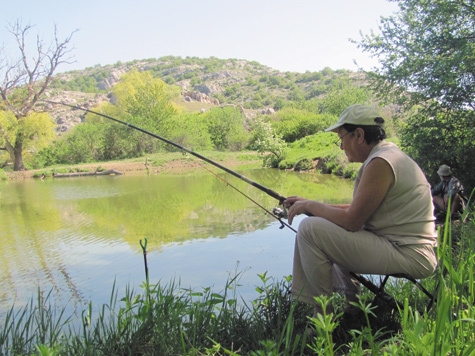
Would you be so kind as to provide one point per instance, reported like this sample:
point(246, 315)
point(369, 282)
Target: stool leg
point(378, 291)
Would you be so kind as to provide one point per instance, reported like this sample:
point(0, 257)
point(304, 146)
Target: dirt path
point(136, 168)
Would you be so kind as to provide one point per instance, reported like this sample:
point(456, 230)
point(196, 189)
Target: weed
point(169, 320)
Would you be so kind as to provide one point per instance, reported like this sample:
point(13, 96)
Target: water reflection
point(78, 236)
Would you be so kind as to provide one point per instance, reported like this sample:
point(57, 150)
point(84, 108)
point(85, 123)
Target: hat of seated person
point(358, 114)
point(444, 171)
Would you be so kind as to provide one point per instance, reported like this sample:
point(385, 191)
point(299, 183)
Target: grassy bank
point(315, 152)
point(169, 320)
point(164, 162)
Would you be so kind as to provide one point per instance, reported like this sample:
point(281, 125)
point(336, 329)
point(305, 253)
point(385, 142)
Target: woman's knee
point(314, 225)
point(311, 228)
point(317, 232)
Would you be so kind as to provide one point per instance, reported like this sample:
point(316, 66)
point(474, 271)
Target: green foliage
point(34, 131)
point(292, 124)
point(141, 100)
point(320, 152)
point(89, 83)
point(226, 128)
point(189, 130)
point(279, 104)
point(337, 100)
point(3, 176)
point(317, 152)
point(148, 102)
point(296, 94)
point(246, 80)
point(176, 320)
point(426, 51)
point(447, 138)
point(308, 77)
point(268, 143)
point(426, 54)
point(83, 144)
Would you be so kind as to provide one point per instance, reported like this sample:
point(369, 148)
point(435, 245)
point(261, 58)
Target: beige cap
point(444, 171)
point(357, 114)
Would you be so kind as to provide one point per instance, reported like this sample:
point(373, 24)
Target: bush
point(293, 124)
point(189, 130)
point(443, 138)
point(226, 128)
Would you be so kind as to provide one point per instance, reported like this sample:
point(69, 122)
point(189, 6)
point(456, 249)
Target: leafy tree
point(279, 104)
point(426, 51)
point(226, 128)
point(336, 101)
point(144, 101)
point(267, 143)
point(327, 71)
point(276, 81)
point(83, 144)
point(189, 130)
point(296, 95)
point(35, 131)
point(448, 138)
point(24, 83)
point(427, 55)
point(141, 100)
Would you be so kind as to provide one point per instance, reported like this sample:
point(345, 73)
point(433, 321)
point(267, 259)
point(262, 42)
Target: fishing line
point(268, 191)
point(277, 213)
point(276, 216)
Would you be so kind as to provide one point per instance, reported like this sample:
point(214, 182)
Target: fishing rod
point(280, 212)
point(277, 213)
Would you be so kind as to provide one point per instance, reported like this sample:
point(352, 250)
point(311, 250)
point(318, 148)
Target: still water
point(77, 237)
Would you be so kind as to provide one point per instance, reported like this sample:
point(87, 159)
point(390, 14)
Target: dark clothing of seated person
point(448, 190)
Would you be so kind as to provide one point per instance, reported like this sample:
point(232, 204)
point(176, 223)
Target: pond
point(76, 238)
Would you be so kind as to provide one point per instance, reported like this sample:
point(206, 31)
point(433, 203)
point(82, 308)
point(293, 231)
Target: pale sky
point(287, 35)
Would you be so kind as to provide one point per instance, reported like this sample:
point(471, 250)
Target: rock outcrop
point(200, 97)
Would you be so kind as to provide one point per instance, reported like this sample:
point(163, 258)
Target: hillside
point(204, 83)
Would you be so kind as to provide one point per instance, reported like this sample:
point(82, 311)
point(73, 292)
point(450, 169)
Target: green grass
point(3, 176)
point(170, 320)
point(319, 152)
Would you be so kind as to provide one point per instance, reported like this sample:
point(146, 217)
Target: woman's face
point(347, 144)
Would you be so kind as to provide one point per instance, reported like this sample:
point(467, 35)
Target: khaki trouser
point(325, 253)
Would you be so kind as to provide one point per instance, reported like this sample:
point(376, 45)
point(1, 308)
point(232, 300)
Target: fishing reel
point(281, 213)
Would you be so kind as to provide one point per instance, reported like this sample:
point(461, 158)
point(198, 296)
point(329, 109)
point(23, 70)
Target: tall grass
point(177, 321)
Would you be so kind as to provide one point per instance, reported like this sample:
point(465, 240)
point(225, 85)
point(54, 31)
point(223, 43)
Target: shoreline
point(136, 167)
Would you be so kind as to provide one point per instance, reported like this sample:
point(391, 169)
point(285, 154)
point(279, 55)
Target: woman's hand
point(296, 206)
point(291, 200)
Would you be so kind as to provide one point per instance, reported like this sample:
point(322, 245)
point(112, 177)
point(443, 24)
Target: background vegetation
point(425, 84)
point(301, 105)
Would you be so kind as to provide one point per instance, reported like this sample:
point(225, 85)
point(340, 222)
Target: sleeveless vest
point(406, 214)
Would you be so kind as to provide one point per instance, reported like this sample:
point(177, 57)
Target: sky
point(287, 35)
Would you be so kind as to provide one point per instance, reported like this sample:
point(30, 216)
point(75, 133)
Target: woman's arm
point(377, 179)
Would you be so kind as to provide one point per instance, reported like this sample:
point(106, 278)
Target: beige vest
point(405, 215)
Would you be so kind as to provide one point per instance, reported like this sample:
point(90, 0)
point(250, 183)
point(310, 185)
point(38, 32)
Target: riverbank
point(157, 319)
point(169, 162)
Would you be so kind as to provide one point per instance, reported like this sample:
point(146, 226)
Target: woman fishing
point(388, 228)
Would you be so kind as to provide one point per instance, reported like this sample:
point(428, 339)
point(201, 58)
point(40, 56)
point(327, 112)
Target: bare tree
point(24, 82)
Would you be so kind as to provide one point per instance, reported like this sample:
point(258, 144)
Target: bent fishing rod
point(279, 213)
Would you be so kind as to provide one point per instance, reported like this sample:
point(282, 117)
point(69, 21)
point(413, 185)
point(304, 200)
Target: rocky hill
point(204, 83)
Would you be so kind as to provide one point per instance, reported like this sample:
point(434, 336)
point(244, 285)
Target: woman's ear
point(359, 133)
